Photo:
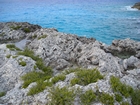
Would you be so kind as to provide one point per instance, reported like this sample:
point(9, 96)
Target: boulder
point(136, 5)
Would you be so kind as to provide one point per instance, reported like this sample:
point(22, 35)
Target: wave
point(128, 8)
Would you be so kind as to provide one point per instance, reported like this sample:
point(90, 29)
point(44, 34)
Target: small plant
point(39, 61)
point(135, 97)
point(107, 99)
point(8, 56)
point(85, 77)
point(88, 97)
point(2, 94)
point(124, 103)
point(14, 56)
point(15, 27)
point(26, 30)
point(2, 34)
point(61, 96)
point(12, 47)
point(60, 77)
point(33, 77)
point(41, 85)
point(43, 36)
point(117, 86)
point(118, 97)
point(22, 63)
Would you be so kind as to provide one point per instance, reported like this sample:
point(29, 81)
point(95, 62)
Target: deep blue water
point(104, 20)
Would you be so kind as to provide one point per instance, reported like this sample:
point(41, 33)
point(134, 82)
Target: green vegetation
point(22, 63)
point(34, 77)
point(12, 47)
point(118, 97)
point(135, 97)
point(8, 56)
point(14, 56)
point(88, 97)
point(57, 78)
point(39, 61)
point(43, 36)
point(26, 30)
point(125, 103)
point(85, 77)
point(2, 34)
point(15, 27)
point(41, 85)
point(2, 94)
point(117, 86)
point(61, 96)
point(106, 99)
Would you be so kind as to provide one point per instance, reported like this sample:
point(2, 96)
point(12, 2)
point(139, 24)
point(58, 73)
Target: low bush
point(43, 36)
point(106, 99)
point(15, 27)
point(61, 96)
point(33, 77)
point(125, 103)
point(22, 63)
point(26, 30)
point(118, 97)
point(88, 97)
point(117, 86)
point(12, 47)
point(2, 94)
point(8, 56)
point(41, 85)
point(39, 61)
point(135, 97)
point(85, 77)
point(57, 78)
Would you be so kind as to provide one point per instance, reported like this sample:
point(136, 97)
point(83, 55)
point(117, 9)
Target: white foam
point(128, 8)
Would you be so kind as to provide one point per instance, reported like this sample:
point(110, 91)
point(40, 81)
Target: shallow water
point(104, 20)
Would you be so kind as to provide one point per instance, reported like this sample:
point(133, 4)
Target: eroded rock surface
point(62, 51)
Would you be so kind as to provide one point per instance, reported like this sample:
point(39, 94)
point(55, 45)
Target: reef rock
point(136, 5)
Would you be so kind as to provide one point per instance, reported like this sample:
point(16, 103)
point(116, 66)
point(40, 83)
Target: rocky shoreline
point(62, 52)
point(136, 5)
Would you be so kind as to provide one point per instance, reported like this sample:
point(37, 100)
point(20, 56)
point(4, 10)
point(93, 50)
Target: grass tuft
point(85, 77)
point(117, 86)
point(2, 94)
point(61, 96)
point(107, 99)
point(12, 47)
point(88, 97)
point(57, 78)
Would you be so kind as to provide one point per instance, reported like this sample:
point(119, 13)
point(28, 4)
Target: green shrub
point(85, 77)
point(14, 56)
point(15, 27)
point(88, 97)
point(72, 70)
point(12, 47)
point(33, 77)
point(22, 63)
point(135, 97)
point(39, 61)
point(2, 94)
point(2, 34)
point(43, 36)
point(57, 78)
point(26, 30)
point(125, 103)
point(8, 56)
point(61, 96)
point(118, 97)
point(106, 99)
point(41, 85)
point(117, 86)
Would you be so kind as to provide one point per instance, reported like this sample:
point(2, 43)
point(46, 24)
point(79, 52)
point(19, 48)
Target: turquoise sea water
point(104, 20)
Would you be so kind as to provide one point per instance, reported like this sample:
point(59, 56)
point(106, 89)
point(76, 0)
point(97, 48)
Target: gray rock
point(136, 5)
